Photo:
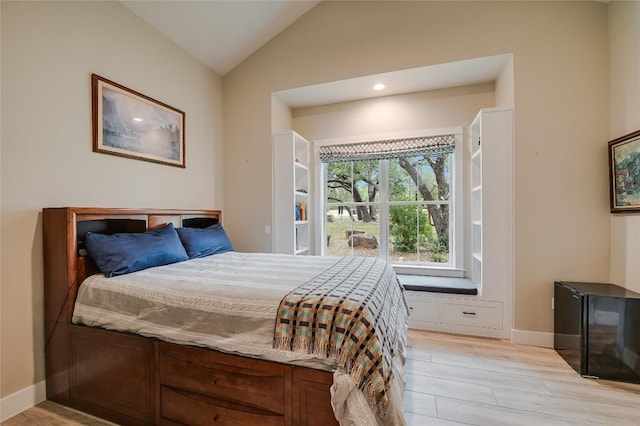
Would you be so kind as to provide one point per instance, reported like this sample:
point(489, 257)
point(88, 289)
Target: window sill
point(433, 271)
point(438, 284)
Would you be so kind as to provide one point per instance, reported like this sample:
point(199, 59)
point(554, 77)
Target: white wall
point(560, 96)
point(624, 57)
point(49, 50)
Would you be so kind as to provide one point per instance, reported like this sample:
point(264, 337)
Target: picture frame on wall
point(624, 173)
point(129, 124)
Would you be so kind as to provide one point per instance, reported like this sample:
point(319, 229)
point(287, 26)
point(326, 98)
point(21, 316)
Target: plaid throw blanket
point(354, 312)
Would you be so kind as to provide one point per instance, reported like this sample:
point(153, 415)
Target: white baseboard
point(532, 338)
point(22, 400)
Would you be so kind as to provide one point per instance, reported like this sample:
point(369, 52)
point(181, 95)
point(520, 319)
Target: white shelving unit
point(291, 185)
point(475, 143)
point(491, 169)
point(490, 251)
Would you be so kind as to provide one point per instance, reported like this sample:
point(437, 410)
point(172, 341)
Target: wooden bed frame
point(136, 380)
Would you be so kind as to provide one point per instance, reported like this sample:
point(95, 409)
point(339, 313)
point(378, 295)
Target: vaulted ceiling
point(222, 34)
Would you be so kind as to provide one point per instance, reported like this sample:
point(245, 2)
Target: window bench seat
point(438, 284)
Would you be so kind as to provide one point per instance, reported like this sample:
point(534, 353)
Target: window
point(393, 199)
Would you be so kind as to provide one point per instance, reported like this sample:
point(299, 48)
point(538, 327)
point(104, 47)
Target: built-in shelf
point(475, 145)
point(489, 229)
point(291, 185)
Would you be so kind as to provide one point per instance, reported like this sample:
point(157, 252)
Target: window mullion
point(384, 209)
point(353, 199)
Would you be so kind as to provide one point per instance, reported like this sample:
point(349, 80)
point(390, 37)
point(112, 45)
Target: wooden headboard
point(66, 264)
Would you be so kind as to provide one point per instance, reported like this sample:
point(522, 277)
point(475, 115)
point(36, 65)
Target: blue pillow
point(122, 253)
point(201, 242)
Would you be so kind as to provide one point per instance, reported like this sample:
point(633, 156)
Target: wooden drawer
point(194, 410)
point(473, 313)
point(245, 381)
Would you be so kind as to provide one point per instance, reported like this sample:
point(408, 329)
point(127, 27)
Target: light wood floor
point(461, 380)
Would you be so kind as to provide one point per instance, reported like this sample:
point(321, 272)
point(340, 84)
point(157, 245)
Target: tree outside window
point(406, 199)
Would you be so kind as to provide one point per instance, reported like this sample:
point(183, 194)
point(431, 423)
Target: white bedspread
point(227, 302)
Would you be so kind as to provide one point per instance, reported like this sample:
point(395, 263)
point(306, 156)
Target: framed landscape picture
point(624, 173)
point(129, 124)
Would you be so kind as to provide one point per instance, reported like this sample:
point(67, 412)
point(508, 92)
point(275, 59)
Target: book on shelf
point(301, 211)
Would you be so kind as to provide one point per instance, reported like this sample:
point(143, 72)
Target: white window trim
point(457, 266)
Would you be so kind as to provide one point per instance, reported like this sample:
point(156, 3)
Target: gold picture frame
point(624, 173)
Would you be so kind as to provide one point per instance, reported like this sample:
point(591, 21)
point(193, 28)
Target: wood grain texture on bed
point(135, 380)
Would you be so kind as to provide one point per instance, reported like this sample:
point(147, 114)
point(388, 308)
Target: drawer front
point(194, 410)
point(476, 314)
point(422, 309)
point(261, 389)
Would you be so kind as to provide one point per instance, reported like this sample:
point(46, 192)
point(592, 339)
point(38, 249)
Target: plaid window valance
point(393, 148)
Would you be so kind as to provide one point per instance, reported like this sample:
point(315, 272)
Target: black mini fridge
point(597, 329)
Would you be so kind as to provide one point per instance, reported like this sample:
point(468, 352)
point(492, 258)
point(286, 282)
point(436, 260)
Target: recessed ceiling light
point(379, 86)
point(137, 119)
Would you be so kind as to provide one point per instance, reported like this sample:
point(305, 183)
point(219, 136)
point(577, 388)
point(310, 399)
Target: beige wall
point(624, 54)
point(415, 111)
point(49, 51)
point(561, 98)
point(504, 86)
point(281, 120)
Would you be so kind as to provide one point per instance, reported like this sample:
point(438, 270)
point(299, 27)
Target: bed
point(103, 363)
